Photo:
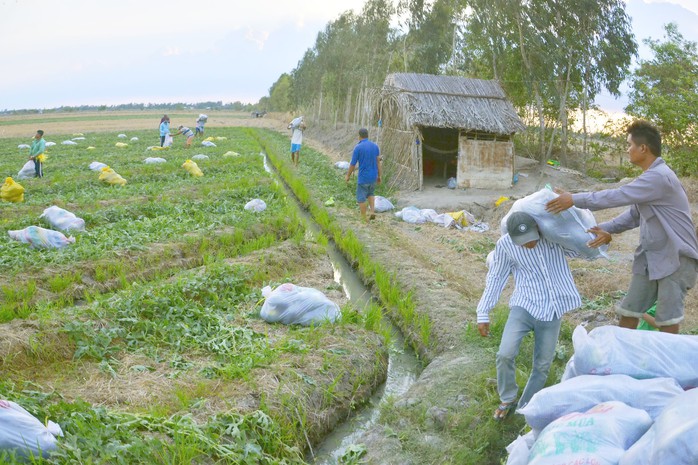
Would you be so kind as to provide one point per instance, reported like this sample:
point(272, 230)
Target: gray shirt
point(659, 206)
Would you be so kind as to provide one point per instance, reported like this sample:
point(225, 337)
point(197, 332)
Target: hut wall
point(485, 164)
point(401, 158)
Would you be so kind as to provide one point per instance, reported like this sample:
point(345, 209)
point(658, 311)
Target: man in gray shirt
point(666, 261)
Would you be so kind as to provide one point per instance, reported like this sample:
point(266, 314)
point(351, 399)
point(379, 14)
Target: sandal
point(504, 409)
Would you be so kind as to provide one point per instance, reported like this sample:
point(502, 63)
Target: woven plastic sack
point(111, 177)
point(97, 166)
point(568, 228)
point(256, 205)
point(12, 191)
point(41, 238)
point(673, 437)
point(192, 168)
point(24, 434)
point(27, 171)
point(608, 350)
point(154, 160)
point(599, 436)
point(382, 204)
point(519, 449)
point(290, 304)
point(63, 219)
point(581, 393)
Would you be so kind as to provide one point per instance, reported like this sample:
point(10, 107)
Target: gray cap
point(522, 228)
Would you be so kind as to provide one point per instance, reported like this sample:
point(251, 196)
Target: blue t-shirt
point(164, 128)
point(366, 153)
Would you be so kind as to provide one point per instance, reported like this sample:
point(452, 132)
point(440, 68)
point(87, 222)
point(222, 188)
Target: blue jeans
point(519, 324)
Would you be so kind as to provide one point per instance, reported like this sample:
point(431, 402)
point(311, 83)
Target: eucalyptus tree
point(664, 89)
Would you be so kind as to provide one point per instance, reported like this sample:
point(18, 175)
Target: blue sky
point(73, 52)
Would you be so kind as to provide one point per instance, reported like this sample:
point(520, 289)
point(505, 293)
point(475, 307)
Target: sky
point(88, 52)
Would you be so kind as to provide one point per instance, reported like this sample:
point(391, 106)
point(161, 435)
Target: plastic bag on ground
point(78, 138)
point(519, 449)
point(69, 142)
point(290, 304)
point(12, 191)
point(608, 350)
point(27, 171)
point(568, 228)
point(451, 183)
point(23, 146)
point(382, 204)
point(122, 136)
point(121, 144)
point(134, 139)
point(111, 177)
point(673, 437)
point(63, 219)
point(50, 144)
point(168, 141)
point(230, 153)
point(24, 434)
point(154, 160)
point(207, 143)
point(200, 156)
point(342, 165)
point(97, 166)
point(256, 205)
point(41, 238)
point(581, 393)
point(599, 436)
point(192, 168)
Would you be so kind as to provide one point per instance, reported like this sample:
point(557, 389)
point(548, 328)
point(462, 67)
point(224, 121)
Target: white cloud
point(171, 51)
point(257, 37)
point(690, 5)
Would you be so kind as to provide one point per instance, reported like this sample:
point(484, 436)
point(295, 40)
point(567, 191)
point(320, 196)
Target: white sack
point(342, 165)
point(583, 392)
point(153, 160)
point(673, 437)
point(134, 139)
point(208, 143)
point(290, 304)
point(27, 171)
point(50, 144)
point(41, 238)
point(69, 142)
point(200, 156)
point(24, 434)
point(382, 204)
point(23, 146)
point(97, 166)
point(168, 140)
point(600, 436)
point(122, 136)
point(610, 350)
point(519, 449)
point(63, 219)
point(567, 228)
point(256, 205)
point(78, 138)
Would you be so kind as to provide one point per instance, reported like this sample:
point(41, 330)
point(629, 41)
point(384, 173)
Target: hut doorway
point(439, 155)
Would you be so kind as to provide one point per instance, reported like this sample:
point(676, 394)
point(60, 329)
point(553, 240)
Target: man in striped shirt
point(544, 290)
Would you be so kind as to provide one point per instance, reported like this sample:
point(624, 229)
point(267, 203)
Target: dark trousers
point(38, 168)
point(162, 141)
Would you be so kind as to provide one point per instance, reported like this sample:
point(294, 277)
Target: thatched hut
point(437, 127)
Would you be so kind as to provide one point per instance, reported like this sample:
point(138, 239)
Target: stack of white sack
point(568, 228)
point(63, 219)
point(38, 237)
point(290, 304)
point(23, 434)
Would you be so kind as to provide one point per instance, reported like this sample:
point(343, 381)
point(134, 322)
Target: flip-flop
point(504, 409)
point(372, 217)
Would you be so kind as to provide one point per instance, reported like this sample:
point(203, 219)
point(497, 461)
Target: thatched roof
point(450, 102)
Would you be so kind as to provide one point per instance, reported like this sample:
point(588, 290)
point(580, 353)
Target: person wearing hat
point(186, 132)
point(544, 290)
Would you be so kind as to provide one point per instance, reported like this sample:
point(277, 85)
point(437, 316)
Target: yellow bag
point(121, 144)
point(42, 158)
point(192, 168)
point(210, 138)
point(501, 200)
point(91, 148)
point(159, 148)
point(11, 191)
point(111, 177)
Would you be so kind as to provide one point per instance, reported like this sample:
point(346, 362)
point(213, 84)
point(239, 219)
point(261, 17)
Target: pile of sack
point(38, 237)
point(628, 397)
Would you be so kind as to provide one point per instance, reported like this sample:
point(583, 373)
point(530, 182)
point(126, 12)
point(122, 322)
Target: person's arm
point(380, 168)
point(497, 277)
point(349, 171)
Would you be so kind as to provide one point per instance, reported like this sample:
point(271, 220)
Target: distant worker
point(186, 132)
point(367, 155)
point(200, 122)
point(297, 126)
point(36, 153)
point(164, 129)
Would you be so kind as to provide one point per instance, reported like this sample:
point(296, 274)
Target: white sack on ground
point(134, 139)
point(153, 160)
point(41, 238)
point(598, 436)
point(673, 437)
point(27, 171)
point(382, 204)
point(122, 136)
point(519, 449)
point(290, 304)
point(342, 165)
point(24, 434)
point(97, 166)
point(69, 142)
point(78, 138)
point(608, 350)
point(63, 219)
point(200, 156)
point(50, 144)
point(207, 143)
point(583, 392)
point(568, 228)
point(256, 205)
point(23, 146)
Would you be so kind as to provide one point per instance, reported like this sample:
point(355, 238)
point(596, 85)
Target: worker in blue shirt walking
point(367, 155)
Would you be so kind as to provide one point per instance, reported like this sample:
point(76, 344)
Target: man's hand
point(602, 237)
point(484, 329)
point(561, 203)
point(378, 181)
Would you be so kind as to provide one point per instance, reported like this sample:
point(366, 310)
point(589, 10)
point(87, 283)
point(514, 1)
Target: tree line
point(552, 57)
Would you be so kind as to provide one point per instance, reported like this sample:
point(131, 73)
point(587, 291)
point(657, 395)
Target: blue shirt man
point(367, 155)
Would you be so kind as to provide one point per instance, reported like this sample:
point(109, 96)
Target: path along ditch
point(403, 364)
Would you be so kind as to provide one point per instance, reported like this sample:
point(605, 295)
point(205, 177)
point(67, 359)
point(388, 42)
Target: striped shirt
point(543, 282)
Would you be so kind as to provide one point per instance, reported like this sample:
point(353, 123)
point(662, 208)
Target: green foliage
point(665, 91)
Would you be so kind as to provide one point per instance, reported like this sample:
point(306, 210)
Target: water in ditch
point(403, 365)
